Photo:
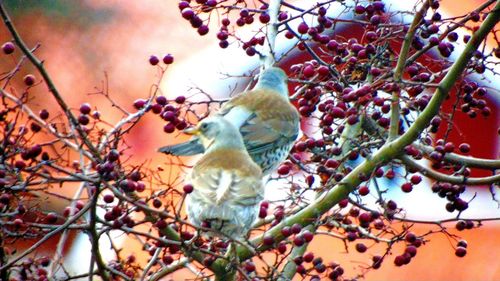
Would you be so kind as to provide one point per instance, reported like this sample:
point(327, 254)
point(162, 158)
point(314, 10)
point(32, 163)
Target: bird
point(265, 117)
point(227, 184)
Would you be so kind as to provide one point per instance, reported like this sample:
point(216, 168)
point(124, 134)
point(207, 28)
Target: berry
point(410, 237)
point(407, 187)
point(360, 247)
point(286, 231)
point(108, 198)
point(29, 80)
point(85, 108)
point(281, 247)
point(298, 241)
point(140, 103)
point(464, 148)
point(416, 179)
point(308, 257)
point(460, 252)
point(168, 59)
point(284, 170)
point(296, 228)
point(188, 188)
point(44, 114)
point(308, 236)
point(411, 250)
point(167, 259)
point(264, 18)
point(8, 48)
point(180, 99)
point(249, 266)
point(268, 240)
point(51, 217)
point(363, 190)
point(303, 28)
point(153, 60)
point(202, 30)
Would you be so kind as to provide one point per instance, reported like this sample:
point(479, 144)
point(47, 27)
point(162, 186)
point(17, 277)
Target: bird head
point(273, 78)
point(216, 132)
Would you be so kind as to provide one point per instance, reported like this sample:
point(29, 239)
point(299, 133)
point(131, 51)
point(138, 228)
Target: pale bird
point(266, 119)
point(227, 184)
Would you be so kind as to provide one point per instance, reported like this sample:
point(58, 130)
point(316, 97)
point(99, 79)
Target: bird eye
point(204, 126)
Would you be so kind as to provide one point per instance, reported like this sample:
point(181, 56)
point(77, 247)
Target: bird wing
point(189, 148)
point(273, 120)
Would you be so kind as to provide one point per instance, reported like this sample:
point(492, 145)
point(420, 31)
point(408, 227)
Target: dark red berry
point(29, 80)
point(188, 188)
point(168, 59)
point(85, 108)
point(296, 228)
point(360, 247)
point(8, 48)
point(460, 252)
point(108, 198)
point(363, 190)
point(153, 60)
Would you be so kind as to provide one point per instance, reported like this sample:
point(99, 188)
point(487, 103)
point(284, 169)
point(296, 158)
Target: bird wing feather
point(272, 122)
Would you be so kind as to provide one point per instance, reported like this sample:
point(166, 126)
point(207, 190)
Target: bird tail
point(189, 148)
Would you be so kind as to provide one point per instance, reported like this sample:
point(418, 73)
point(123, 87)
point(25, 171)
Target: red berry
point(406, 187)
point(202, 30)
point(360, 247)
point(29, 80)
point(249, 266)
point(460, 252)
point(169, 128)
point(296, 228)
point(308, 236)
point(268, 240)
point(168, 59)
point(399, 260)
point(308, 257)
point(180, 99)
point(363, 190)
point(308, 71)
point(188, 188)
point(108, 198)
point(167, 259)
point(410, 237)
point(332, 163)
point(281, 247)
point(44, 114)
point(416, 179)
point(303, 28)
point(187, 13)
point(411, 250)
point(8, 48)
point(140, 103)
point(157, 203)
point(262, 212)
point(264, 18)
point(286, 231)
point(83, 119)
point(298, 241)
point(51, 217)
point(284, 170)
point(464, 147)
point(161, 100)
point(153, 60)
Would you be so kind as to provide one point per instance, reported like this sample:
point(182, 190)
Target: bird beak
point(192, 131)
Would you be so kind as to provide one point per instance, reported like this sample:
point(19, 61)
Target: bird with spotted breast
point(227, 184)
point(267, 121)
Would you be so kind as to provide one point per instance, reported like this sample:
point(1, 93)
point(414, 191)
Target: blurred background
point(85, 44)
